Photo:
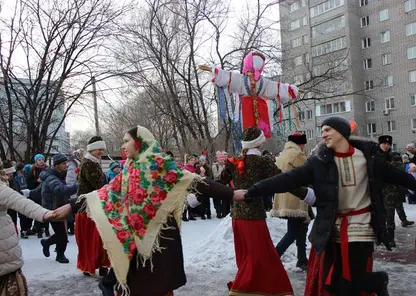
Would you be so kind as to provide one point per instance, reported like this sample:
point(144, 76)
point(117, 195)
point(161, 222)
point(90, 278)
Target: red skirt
point(260, 271)
point(91, 253)
point(315, 276)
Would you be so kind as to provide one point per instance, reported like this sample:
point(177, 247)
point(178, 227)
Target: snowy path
point(209, 263)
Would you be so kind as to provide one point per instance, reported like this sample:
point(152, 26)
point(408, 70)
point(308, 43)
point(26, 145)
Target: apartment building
point(368, 47)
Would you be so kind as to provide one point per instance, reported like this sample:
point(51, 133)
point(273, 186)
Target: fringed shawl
point(132, 210)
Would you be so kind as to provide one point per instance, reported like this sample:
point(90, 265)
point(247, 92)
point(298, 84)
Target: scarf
point(132, 210)
point(92, 158)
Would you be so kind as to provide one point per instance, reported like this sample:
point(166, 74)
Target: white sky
point(81, 117)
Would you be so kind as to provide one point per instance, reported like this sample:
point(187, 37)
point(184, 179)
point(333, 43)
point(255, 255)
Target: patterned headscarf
point(131, 211)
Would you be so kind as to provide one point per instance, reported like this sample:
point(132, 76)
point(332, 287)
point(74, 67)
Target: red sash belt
point(345, 255)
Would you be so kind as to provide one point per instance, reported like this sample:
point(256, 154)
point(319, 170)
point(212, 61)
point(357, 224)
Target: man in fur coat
point(347, 176)
point(290, 207)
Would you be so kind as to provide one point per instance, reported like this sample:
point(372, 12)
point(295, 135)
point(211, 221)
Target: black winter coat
point(55, 192)
point(321, 171)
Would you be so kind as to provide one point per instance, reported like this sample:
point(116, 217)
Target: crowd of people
point(126, 221)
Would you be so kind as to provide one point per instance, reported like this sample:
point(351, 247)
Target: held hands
point(59, 214)
point(239, 195)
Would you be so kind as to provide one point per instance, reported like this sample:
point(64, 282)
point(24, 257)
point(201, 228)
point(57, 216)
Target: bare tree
point(49, 52)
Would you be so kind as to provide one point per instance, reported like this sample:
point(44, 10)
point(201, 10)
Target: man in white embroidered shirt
point(347, 176)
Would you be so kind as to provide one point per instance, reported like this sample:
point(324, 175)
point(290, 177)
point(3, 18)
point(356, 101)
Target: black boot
point(62, 259)
point(107, 290)
point(47, 233)
point(392, 243)
point(302, 264)
point(102, 271)
point(40, 234)
point(45, 249)
point(376, 282)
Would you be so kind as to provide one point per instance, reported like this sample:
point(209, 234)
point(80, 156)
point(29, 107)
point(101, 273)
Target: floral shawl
point(132, 210)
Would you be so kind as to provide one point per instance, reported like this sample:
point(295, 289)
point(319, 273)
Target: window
point(412, 76)
point(411, 29)
point(365, 42)
point(388, 81)
point(305, 39)
point(328, 47)
point(307, 58)
point(368, 85)
point(295, 24)
point(363, 3)
point(325, 6)
point(391, 126)
point(304, 21)
point(409, 5)
point(294, 6)
point(339, 107)
point(371, 128)
point(309, 114)
point(303, 2)
point(389, 103)
point(296, 42)
point(413, 100)
point(370, 106)
point(386, 59)
point(384, 15)
point(329, 26)
point(385, 36)
point(367, 64)
point(309, 134)
point(411, 53)
point(414, 124)
point(298, 61)
point(394, 147)
point(365, 21)
point(301, 115)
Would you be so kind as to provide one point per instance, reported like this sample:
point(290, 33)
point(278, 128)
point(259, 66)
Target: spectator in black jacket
point(56, 193)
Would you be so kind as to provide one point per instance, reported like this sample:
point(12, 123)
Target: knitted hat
point(58, 159)
point(39, 156)
point(114, 164)
point(253, 137)
point(96, 143)
point(339, 124)
point(28, 167)
point(405, 157)
point(298, 138)
point(385, 139)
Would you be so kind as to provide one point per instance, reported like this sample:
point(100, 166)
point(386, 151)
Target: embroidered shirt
point(353, 195)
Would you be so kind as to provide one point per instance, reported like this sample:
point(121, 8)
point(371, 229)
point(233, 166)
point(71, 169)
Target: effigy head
point(254, 63)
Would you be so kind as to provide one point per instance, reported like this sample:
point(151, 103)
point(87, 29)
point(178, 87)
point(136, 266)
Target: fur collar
point(322, 152)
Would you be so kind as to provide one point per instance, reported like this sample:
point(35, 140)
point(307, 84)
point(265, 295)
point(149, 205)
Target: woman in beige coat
point(12, 280)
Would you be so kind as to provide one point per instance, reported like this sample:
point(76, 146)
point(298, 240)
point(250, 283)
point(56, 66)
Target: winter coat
point(55, 192)
point(90, 177)
point(10, 253)
point(321, 171)
point(19, 182)
point(71, 173)
point(32, 178)
point(287, 205)
point(110, 175)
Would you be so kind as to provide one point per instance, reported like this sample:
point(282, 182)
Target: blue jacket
point(55, 192)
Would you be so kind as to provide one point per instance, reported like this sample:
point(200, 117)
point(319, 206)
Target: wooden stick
point(205, 68)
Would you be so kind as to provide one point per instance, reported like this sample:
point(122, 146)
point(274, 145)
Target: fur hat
point(339, 124)
point(298, 138)
point(385, 139)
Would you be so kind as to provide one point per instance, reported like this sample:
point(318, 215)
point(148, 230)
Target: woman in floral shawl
point(138, 216)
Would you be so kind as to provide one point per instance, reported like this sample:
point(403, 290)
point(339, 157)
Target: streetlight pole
point(94, 96)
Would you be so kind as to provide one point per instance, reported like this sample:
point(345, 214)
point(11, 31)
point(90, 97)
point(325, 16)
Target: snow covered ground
point(209, 262)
